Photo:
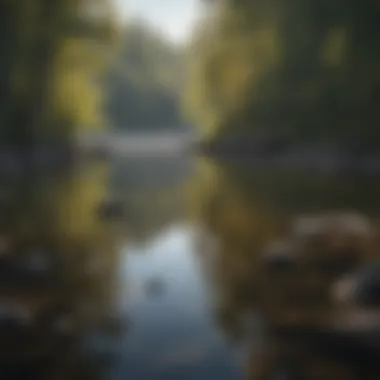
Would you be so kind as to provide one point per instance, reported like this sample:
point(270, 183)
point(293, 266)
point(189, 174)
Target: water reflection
point(56, 283)
point(293, 263)
point(153, 192)
point(172, 335)
point(149, 270)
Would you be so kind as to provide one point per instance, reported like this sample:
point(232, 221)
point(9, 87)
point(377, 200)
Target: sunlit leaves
point(55, 55)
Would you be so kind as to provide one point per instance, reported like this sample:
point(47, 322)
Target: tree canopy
point(304, 69)
point(53, 53)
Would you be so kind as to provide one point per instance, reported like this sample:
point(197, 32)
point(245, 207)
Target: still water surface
point(152, 269)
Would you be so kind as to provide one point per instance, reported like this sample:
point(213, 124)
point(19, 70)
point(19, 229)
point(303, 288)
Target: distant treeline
point(144, 82)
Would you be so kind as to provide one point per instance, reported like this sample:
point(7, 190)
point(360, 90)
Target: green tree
point(48, 72)
point(304, 69)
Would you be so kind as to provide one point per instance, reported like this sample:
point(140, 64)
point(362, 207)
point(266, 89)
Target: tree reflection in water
point(283, 250)
point(57, 275)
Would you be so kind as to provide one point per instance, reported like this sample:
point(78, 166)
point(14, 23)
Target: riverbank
point(274, 154)
point(31, 160)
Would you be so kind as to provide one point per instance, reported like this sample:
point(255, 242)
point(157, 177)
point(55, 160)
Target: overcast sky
point(173, 17)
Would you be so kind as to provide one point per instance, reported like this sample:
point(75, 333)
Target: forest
point(52, 54)
point(70, 66)
point(303, 72)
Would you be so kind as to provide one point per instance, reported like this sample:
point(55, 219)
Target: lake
point(173, 267)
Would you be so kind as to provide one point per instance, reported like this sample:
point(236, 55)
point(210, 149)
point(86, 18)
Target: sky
point(174, 18)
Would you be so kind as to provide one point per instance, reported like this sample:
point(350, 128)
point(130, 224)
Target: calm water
point(155, 269)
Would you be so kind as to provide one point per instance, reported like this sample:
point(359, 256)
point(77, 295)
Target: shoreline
point(319, 159)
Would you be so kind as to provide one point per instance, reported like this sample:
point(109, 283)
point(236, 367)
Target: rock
point(361, 289)
point(334, 223)
point(367, 290)
point(280, 256)
point(343, 289)
point(307, 226)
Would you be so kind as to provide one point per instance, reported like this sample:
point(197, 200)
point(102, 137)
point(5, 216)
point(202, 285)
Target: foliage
point(304, 69)
point(51, 51)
